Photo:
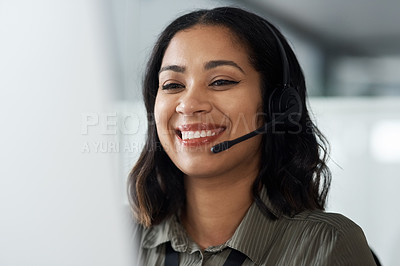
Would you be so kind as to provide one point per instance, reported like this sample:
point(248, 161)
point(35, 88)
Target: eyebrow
point(217, 63)
point(174, 68)
point(207, 66)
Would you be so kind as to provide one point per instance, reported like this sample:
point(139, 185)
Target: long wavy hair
point(293, 165)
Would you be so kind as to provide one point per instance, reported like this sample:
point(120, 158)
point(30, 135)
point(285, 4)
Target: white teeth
point(197, 134)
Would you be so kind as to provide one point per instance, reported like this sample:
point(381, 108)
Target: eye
point(223, 82)
point(172, 87)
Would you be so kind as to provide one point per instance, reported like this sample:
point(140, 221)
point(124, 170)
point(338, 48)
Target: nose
point(194, 101)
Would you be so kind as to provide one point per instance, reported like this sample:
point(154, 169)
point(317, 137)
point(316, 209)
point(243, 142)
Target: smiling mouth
point(194, 135)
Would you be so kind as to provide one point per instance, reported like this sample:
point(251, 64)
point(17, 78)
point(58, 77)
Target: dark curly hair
point(293, 164)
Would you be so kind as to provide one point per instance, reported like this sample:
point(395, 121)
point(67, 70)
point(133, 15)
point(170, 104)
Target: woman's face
point(208, 93)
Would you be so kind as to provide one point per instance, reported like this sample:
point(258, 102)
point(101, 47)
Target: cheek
point(160, 112)
point(248, 117)
point(163, 111)
point(255, 110)
point(157, 111)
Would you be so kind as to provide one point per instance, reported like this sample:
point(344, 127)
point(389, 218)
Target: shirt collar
point(249, 231)
point(254, 228)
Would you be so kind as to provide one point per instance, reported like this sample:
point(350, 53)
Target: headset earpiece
point(285, 99)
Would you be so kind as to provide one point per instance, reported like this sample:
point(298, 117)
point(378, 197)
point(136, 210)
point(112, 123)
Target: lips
point(198, 134)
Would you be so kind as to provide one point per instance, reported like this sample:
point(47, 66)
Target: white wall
point(58, 204)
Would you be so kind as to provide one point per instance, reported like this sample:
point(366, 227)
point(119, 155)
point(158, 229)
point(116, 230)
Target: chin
point(200, 170)
point(212, 169)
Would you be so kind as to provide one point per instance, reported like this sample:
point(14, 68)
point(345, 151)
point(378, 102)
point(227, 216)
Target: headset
point(284, 103)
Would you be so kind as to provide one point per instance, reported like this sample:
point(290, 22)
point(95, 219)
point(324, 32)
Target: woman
point(213, 77)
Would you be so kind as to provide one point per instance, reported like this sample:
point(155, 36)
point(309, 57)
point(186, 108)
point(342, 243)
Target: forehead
point(205, 42)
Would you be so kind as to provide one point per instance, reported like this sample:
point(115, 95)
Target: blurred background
point(73, 122)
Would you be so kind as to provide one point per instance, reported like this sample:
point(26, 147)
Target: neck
point(215, 207)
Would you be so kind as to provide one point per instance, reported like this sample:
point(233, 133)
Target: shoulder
point(335, 238)
point(335, 222)
point(334, 228)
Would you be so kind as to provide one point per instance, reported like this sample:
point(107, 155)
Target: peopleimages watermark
point(111, 123)
point(131, 123)
point(128, 130)
point(112, 132)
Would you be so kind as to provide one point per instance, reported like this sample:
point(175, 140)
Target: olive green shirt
point(309, 238)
